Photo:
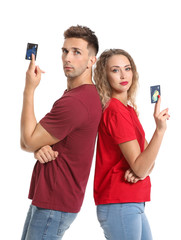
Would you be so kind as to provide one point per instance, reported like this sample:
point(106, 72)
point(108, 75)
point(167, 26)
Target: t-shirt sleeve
point(66, 115)
point(119, 126)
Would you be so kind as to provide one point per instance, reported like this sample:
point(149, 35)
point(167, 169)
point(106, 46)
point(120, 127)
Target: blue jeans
point(45, 224)
point(125, 221)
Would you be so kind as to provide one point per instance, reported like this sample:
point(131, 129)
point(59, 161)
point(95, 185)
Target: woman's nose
point(122, 75)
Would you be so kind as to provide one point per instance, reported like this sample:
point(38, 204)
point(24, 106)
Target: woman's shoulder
point(114, 105)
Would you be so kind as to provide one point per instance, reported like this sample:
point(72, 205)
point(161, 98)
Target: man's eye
point(64, 51)
point(77, 52)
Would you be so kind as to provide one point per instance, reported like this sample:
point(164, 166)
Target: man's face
point(75, 57)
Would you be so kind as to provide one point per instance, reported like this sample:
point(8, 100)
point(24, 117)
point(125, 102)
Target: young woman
point(124, 158)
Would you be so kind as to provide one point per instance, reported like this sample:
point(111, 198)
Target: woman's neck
point(122, 97)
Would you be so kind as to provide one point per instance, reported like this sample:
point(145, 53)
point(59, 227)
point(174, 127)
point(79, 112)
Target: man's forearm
point(28, 120)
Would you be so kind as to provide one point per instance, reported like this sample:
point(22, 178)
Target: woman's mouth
point(124, 83)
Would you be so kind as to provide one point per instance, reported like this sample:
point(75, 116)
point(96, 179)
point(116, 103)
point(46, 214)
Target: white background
point(150, 32)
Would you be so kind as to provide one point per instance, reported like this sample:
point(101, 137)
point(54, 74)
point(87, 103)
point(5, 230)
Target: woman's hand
point(160, 117)
point(45, 154)
point(131, 177)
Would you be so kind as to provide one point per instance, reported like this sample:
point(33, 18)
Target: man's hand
point(45, 154)
point(33, 75)
point(131, 177)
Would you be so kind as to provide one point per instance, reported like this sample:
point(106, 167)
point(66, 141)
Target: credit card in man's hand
point(155, 91)
point(31, 48)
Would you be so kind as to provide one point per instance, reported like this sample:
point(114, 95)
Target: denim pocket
point(102, 212)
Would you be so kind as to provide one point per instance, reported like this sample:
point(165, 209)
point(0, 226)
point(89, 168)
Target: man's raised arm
point(33, 135)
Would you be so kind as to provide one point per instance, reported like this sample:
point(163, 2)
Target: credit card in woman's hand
point(155, 91)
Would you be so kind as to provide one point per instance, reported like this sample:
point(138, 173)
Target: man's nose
point(68, 57)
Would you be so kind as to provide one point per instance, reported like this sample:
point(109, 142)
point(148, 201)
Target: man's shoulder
point(83, 90)
point(86, 93)
point(84, 97)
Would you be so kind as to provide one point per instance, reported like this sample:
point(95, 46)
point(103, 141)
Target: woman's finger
point(165, 117)
point(162, 113)
point(127, 173)
point(130, 176)
point(157, 106)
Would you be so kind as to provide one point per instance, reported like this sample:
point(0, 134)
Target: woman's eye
point(128, 68)
point(115, 70)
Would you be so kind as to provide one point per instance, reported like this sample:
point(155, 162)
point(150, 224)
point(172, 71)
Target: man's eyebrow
point(73, 48)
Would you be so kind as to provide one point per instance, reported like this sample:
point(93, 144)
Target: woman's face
point(119, 73)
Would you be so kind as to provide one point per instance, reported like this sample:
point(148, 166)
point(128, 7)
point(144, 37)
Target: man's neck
point(78, 81)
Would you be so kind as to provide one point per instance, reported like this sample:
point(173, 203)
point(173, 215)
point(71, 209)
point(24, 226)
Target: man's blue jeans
point(45, 224)
point(125, 221)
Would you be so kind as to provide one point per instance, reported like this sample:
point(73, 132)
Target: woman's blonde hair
point(102, 83)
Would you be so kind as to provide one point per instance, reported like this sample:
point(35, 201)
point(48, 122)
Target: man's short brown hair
point(84, 33)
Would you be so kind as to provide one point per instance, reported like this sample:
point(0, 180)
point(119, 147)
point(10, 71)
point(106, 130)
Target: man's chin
point(69, 75)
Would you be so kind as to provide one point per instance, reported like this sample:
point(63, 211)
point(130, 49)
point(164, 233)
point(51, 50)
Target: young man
point(57, 187)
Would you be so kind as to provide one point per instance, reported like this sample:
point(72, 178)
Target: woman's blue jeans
point(125, 221)
point(45, 224)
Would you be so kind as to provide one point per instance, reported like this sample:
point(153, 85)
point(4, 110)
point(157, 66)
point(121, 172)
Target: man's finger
point(32, 62)
point(55, 154)
point(42, 155)
point(48, 156)
point(40, 159)
point(42, 71)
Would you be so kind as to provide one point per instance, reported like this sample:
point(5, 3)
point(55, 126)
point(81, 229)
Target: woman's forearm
point(144, 163)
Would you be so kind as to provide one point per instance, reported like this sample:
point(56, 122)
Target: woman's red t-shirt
point(119, 124)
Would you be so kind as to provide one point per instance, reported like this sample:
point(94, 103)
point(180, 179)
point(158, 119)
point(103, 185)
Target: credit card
point(31, 48)
point(155, 91)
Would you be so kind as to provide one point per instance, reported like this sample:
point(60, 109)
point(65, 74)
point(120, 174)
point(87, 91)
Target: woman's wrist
point(160, 131)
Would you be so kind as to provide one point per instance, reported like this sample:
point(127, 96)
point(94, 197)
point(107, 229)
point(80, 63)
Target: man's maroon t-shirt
point(74, 119)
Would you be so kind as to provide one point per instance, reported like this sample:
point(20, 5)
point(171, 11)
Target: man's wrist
point(28, 91)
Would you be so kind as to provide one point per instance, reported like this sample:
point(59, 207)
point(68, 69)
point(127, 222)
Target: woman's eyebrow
point(119, 66)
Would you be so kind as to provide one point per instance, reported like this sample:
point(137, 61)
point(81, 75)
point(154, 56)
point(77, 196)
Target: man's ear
point(91, 62)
